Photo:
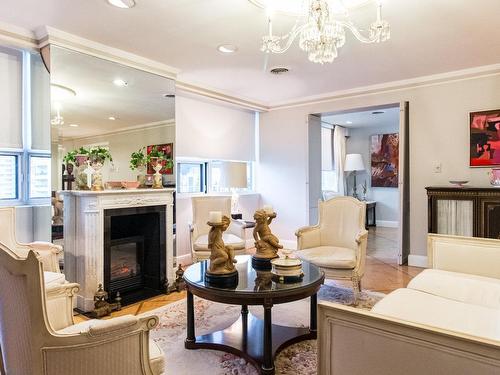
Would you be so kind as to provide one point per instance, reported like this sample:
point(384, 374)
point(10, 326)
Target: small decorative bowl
point(459, 183)
point(114, 185)
point(130, 184)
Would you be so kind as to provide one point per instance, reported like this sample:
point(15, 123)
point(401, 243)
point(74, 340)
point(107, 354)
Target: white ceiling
point(365, 118)
point(428, 37)
point(97, 98)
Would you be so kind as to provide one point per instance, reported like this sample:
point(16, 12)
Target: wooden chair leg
point(356, 286)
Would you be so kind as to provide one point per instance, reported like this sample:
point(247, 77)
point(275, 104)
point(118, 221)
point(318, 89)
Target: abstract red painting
point(384, 149)
point(168, 152)
point(484, 138)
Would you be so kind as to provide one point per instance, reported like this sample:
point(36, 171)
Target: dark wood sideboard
point(485, 207)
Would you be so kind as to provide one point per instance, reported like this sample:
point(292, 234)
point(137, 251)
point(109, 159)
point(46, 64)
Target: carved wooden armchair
point(337, 244)
point(59, 292)
point(31, 345)
point(234, 235)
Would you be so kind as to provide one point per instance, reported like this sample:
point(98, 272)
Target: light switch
point(437, 168)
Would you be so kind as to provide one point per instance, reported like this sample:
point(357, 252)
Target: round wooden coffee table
point(256, 340)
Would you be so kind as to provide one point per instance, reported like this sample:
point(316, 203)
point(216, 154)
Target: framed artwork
point(168, 150)
point(384, 151)
point(484, 130)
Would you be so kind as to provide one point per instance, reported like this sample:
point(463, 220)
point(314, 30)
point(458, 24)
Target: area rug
point(297, 359)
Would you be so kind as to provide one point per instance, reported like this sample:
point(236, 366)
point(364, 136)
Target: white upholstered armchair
point(59, 292)
point(30, 345)
point(234, 235)
point(47, 252)
point(337, 244)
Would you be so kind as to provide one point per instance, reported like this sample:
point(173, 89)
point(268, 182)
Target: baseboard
point(183, 259)
point(417, 261)
point(289, 244)
point(387, 224)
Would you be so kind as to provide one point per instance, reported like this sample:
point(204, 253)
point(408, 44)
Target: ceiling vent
point(279, 70)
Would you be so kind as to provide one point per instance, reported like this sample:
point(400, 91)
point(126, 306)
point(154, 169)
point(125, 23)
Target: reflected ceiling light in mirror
point(120, 82)
point(348, 122)
point(60, 92)
point(73, 125)
point(123, 4)
point(227, 48)
point(57, 120)
point(112, 118)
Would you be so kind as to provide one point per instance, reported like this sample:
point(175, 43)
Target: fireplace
point(134, 264)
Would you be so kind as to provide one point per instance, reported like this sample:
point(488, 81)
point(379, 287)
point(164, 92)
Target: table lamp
point(354, 163)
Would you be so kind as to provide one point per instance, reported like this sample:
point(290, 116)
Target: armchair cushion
point(329, 256)
point(53, 277)
point(156, 355)
point(201, 243)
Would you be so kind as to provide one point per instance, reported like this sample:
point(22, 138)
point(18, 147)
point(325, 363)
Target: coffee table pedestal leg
point(191, 338)
point(268, 365)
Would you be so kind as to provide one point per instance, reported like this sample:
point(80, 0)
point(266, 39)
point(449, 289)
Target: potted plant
point(98, 156)
point(78, 158)
point(155, 156)
point(138, 160)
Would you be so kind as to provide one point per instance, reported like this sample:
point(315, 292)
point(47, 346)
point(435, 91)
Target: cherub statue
point(221, 256)
point(266, 243)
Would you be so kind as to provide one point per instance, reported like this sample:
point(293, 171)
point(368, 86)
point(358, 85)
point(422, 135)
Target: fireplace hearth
point(134, 264)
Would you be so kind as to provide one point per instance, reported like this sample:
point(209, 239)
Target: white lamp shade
point(354, 162)
point(234, 175)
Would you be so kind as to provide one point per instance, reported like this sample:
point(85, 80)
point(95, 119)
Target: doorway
point(373, 142)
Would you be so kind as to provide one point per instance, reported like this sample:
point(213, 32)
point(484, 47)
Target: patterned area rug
point(297, 359)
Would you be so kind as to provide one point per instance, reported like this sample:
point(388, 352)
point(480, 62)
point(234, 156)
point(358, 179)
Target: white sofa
point(447, 320)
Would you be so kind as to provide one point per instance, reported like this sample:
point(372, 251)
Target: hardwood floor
point(383, 274)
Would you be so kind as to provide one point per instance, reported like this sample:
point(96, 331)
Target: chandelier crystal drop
point(321, 31)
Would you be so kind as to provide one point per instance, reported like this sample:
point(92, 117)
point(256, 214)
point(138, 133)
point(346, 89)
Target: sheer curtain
point(339, 157)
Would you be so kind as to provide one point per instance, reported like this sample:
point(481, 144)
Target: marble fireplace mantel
point(84, 233)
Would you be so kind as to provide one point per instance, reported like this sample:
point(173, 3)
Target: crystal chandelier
point(321, 30)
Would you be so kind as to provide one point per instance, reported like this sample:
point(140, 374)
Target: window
point(8, 177)
point(228, 176)
point(25, 145)
point(39, 177)
point(191, 177)
point(328, 174)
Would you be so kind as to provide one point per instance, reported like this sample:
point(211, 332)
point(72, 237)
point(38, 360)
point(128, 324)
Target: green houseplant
point(78, 158)
point(138, 160)
point(98, 156)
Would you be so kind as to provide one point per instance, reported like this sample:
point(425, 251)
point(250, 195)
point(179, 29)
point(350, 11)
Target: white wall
point(122, 144)
point(439, 116)
point(387, 198)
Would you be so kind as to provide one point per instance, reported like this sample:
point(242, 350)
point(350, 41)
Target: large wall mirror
point(99, 103)
point(112, 129)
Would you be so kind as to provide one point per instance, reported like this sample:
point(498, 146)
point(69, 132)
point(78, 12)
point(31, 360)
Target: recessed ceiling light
point(120, 82)
point(124, 4)
point(377, 112)
point(112, 118)
point(73, 125)
point(348, 122)
point(227, 48)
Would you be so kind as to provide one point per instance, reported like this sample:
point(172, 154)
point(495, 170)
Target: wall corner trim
point(417, 261)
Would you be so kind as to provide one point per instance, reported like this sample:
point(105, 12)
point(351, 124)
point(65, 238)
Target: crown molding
point(18, 37)
point(125, 130)
point(48, 35)
point(184, 87)
point(423, 81)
